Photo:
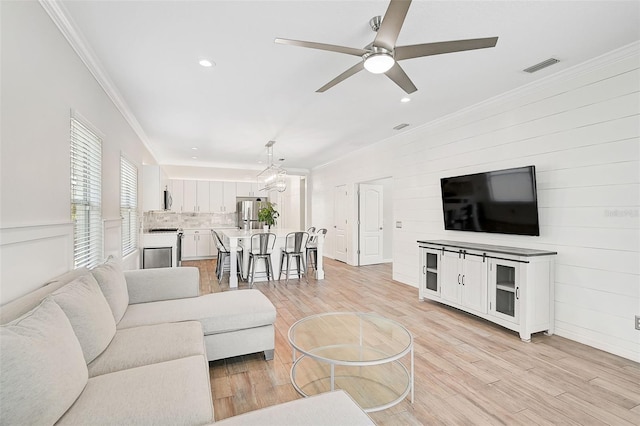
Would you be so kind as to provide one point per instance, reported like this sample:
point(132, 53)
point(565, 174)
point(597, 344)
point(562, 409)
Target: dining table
point(239, 240)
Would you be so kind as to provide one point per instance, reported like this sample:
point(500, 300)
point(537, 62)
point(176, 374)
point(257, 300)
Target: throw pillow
point(88, 313)
point(113, 285)
point(43, 369)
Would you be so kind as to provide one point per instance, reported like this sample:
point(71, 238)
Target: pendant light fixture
point(274, 176)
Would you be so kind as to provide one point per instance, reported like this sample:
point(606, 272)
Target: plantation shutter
point(129, 205)
point(86, 195)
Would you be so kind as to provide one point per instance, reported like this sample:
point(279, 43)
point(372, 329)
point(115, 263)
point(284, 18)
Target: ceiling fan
point(382, 55)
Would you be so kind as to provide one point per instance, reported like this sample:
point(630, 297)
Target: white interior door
point(340, 215)
point(371, 219)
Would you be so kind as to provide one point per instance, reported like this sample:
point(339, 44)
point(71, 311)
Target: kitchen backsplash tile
point(169, 219)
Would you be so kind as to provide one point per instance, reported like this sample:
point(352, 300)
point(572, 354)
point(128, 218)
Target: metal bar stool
point(261, 248)
point(224, 257)
point(294, 245)
point(312, 248)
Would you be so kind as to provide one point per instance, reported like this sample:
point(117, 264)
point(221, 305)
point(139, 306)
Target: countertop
point(517, 251)
point(241, 233)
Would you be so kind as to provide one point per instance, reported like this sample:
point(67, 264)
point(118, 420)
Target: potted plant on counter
point(268, 214)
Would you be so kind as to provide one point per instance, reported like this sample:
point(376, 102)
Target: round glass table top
point(350, 338)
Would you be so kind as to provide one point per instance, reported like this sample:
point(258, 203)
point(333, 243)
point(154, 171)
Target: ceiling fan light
point(378, 63)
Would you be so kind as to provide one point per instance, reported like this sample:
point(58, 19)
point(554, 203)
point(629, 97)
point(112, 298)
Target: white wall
point(581, 129)
point(42, 80)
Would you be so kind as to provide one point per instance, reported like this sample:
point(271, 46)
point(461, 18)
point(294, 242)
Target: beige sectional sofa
point(112, 347)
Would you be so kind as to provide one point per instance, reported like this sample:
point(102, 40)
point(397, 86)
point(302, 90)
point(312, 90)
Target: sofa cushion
point(43, 369)
point(218, 312)
point(168, 393)
point(327, 409)
point(150, 344)
point(16, 308)
point(113, 285)
point(88, 313)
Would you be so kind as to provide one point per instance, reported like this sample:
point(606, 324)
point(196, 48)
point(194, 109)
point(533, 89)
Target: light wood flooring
point(468, 371)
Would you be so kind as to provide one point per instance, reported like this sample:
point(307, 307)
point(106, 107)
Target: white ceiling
point(260, 91)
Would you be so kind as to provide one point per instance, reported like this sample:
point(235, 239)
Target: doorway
point(375, 215)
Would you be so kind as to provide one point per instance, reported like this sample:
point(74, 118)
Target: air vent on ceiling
point(401, 126)
point(541, 65)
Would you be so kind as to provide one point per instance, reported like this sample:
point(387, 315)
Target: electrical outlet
point(398, 224)
point(637, 322)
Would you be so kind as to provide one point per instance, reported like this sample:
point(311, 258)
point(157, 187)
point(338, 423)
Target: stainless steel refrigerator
point(248, 212)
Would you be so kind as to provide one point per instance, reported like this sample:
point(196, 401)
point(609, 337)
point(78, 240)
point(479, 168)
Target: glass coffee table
point(360, 353)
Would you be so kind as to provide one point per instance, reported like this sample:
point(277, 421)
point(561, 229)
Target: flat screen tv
point(500, 201)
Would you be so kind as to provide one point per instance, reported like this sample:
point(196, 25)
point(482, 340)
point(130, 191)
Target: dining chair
point(294, 246)
point(261, 247)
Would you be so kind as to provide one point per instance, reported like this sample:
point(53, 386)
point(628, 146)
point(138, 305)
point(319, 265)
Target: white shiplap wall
point(581, 129)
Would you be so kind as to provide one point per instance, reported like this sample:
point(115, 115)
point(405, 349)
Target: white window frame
point(129, 205)
point(86, 192)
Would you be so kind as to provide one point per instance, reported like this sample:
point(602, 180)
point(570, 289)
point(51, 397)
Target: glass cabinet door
point(432, 271)
point(430, 279)
point(505, 290)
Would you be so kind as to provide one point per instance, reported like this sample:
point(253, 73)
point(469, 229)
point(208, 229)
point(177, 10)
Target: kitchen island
point(240, 240)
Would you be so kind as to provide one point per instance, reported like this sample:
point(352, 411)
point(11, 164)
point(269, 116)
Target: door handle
point(463, 280)
point(424, 269)
point(458, 279)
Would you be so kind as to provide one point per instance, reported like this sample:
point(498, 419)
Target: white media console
point(510, 286)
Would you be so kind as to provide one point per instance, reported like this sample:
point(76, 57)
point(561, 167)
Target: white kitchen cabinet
point(189, 245)
point(222, 197)
point(510, 286)
point(202, 197)
point(190, 203)
point(196, 196)
point(216, 197)
point(154, 181)
point(198, 244)
point(177, 194)
point(229, 197)
point(249, 189)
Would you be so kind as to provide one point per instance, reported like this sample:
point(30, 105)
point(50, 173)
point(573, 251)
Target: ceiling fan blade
point(322, 46)
point(397, 74)
point(429, 49)
point(348, 73)
point(392, 24)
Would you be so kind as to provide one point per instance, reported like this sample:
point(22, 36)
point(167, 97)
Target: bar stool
point(311, 230)
point(224, 257)
point(312, 248)
point(294, 244)
point(261, 248)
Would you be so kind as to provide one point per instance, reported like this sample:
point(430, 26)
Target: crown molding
point(70, 31)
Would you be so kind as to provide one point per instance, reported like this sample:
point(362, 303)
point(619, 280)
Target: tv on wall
point(500, 201)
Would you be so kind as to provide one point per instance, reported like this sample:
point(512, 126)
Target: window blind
point(86, 195)
point(129, 205)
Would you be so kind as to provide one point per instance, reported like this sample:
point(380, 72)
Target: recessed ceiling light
point(194, 148)
point(206, 63)
point(195, 158)
point(405, 100)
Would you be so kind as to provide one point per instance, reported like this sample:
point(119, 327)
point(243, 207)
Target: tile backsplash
point(169, 219)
